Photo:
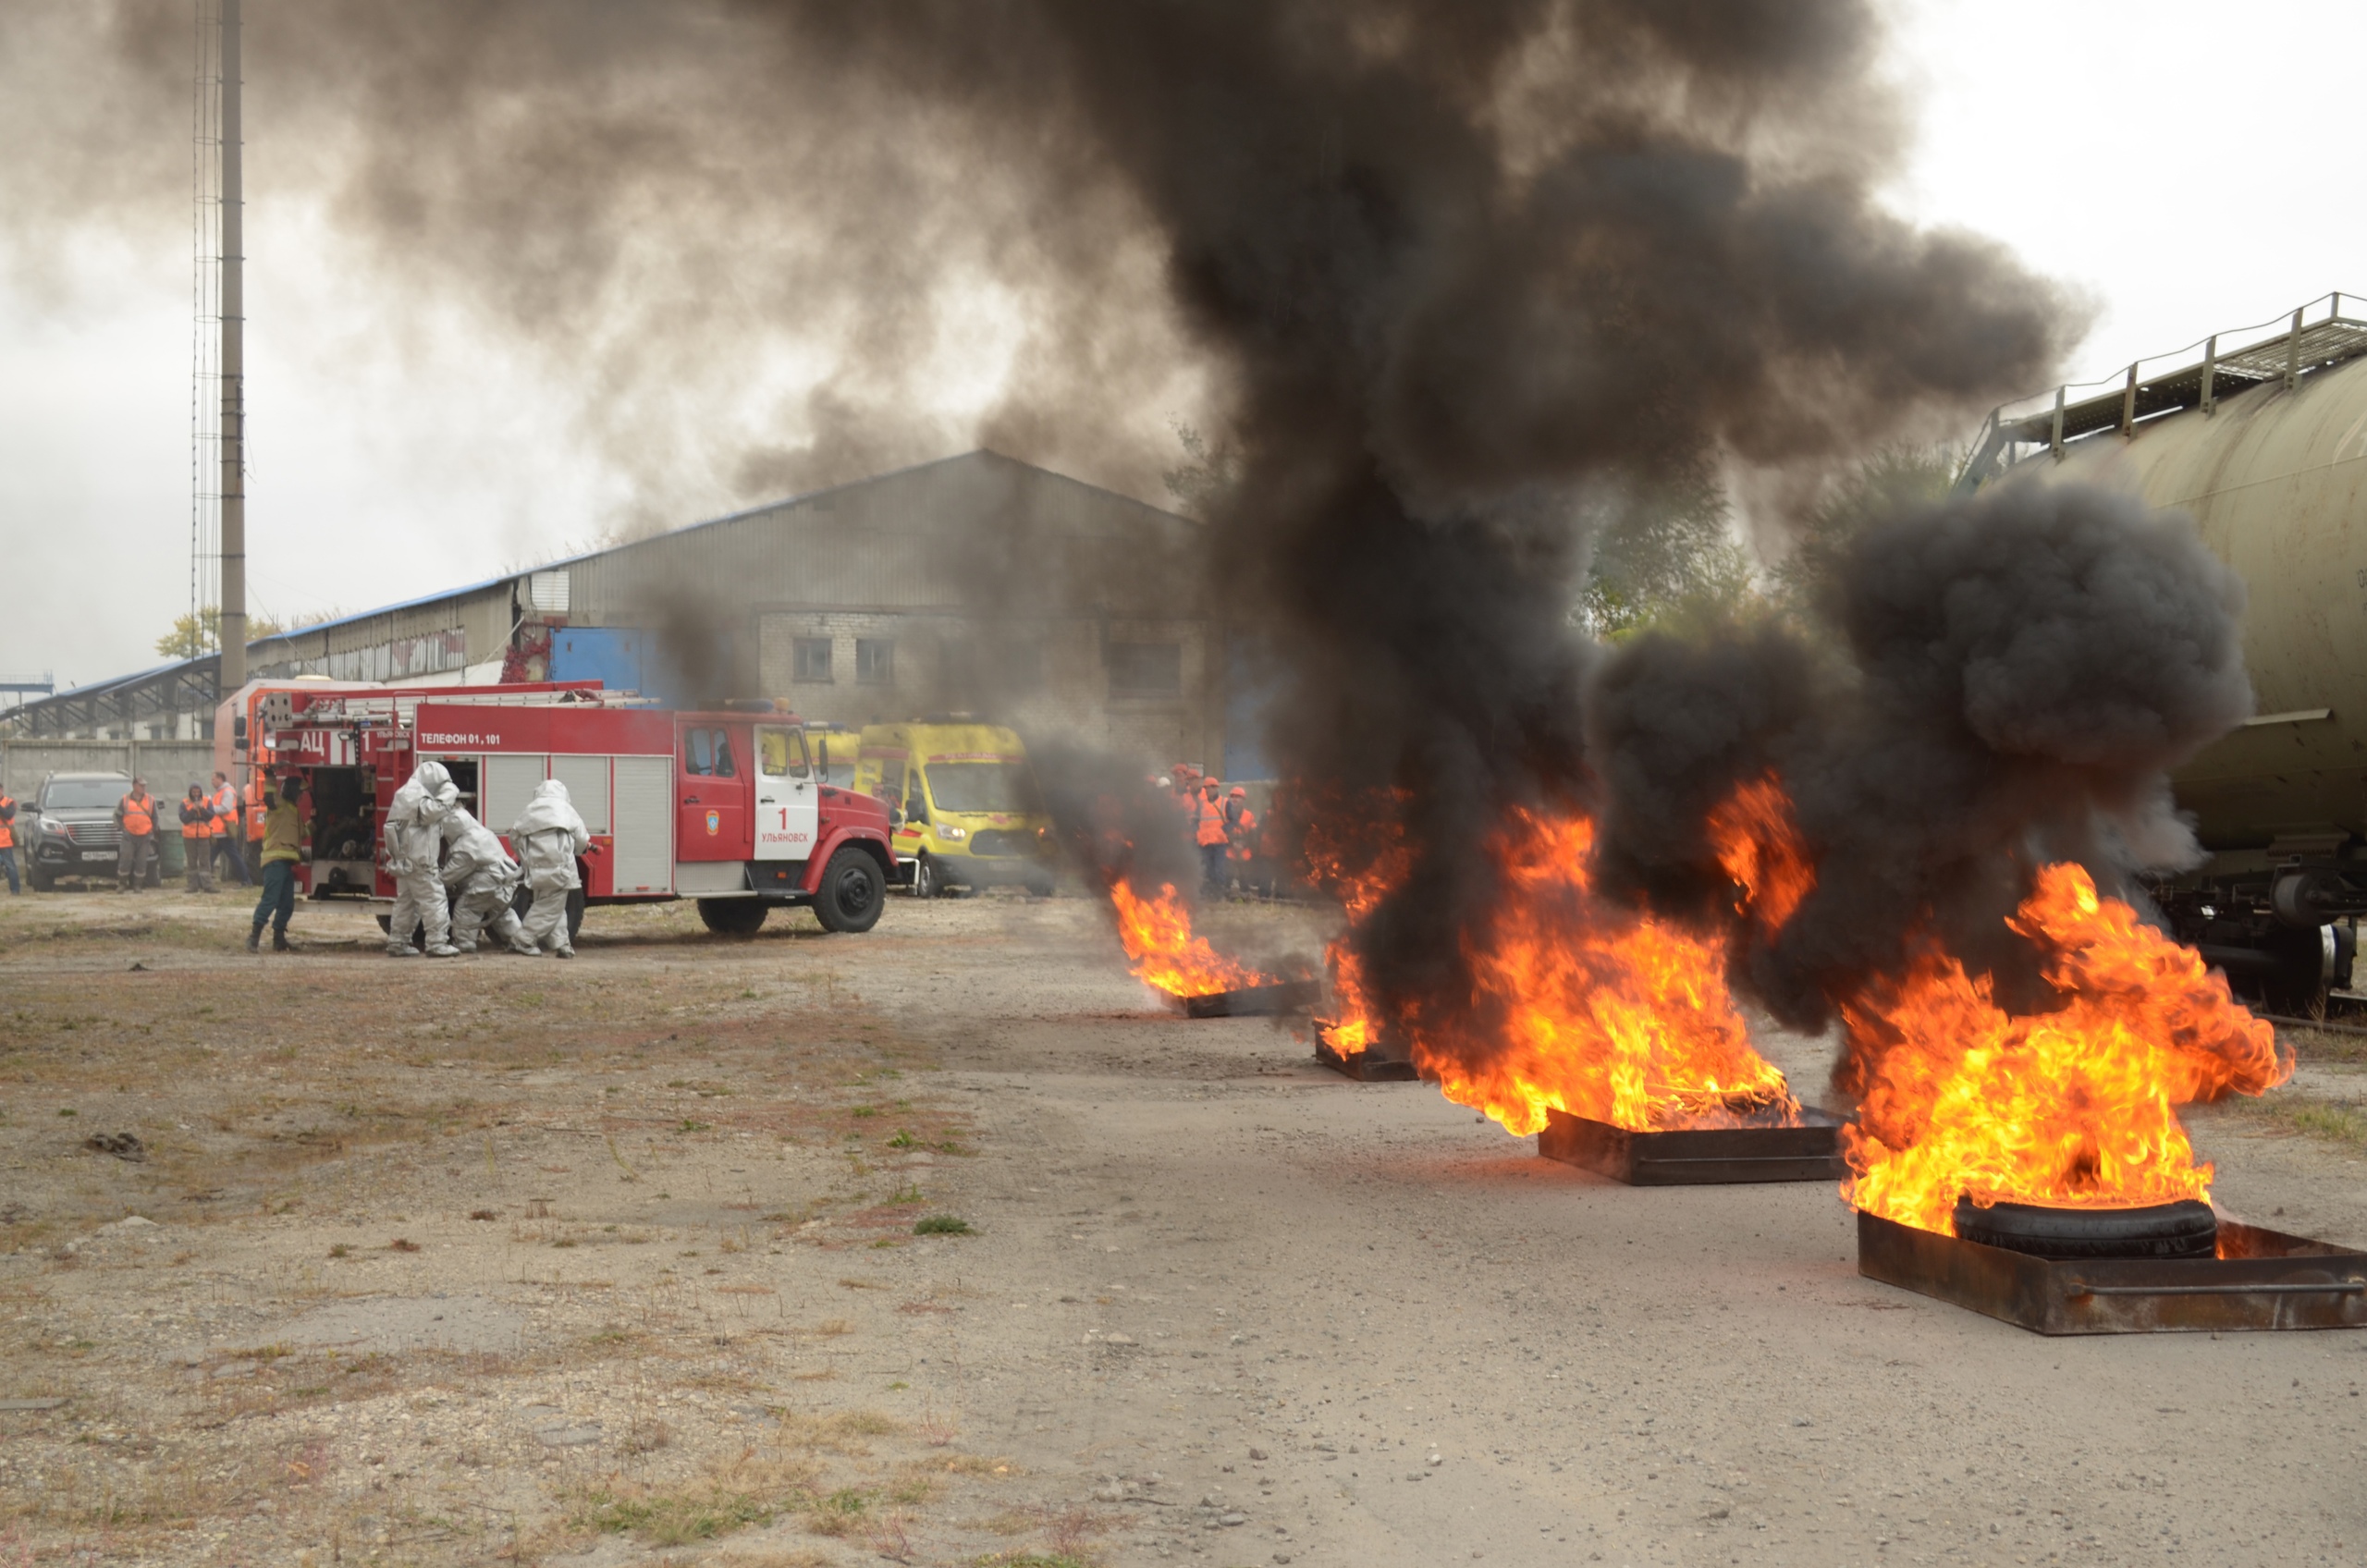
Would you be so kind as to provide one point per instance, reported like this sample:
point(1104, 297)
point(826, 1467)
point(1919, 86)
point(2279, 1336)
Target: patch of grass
point(402, 1243)
point(909, 1193)
point(943, 1225)
point(858, 1111)
point(2336, 1123)
point(690, 1126)
point(1037, 1559)
point(840, 1514)
point(904, 1140)
point(676, 1521)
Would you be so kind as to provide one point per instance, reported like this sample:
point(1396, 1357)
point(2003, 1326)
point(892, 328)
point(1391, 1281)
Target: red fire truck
point(725, 807)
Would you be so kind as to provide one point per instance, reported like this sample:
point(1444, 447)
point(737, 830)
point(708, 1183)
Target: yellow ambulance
point(972, 813)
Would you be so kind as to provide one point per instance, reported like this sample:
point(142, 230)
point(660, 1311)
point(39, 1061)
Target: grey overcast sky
point(2185, 164)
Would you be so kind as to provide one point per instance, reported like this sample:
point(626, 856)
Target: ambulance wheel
point(1039, 888)
point(852, 892)
point(927, 883)
point(733, 917)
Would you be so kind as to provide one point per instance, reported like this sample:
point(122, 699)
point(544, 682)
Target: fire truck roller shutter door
point(509, 783)
point(645, 825)
point(587, 784)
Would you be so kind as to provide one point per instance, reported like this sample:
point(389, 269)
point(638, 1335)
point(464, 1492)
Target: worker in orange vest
point(1209, 833)
point(1241, 838)
point(225, 831)
point(8, 840)
point(197, 840)
point(135, 858)
point(1187, 787)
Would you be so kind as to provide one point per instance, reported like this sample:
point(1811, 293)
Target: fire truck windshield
point(983, 786)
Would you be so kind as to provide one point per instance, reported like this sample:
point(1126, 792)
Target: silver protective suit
point(483, 879)
point(412, 840)
point(549, 835)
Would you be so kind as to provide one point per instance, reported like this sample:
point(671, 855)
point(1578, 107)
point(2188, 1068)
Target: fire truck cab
point(724, 808)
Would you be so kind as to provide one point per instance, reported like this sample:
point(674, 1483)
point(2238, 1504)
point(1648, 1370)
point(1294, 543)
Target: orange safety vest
point(225, 802)
point(195, 826)
point(139, 814)
point(1210, 817)
point(7, 825)
point(257, 809)
point(1243, 826)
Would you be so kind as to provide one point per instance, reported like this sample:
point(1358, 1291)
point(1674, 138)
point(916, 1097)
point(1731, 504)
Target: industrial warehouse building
point(977, 583)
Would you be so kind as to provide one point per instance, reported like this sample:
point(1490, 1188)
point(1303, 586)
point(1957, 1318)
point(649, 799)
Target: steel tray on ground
point(2261, 1279)
point(1807, 1151)
point(1367, 1066)
point(1251, 1001)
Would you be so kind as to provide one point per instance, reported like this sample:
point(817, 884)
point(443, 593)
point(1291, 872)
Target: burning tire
point(2166, 1230)
point(852, 892)
point(733, 917)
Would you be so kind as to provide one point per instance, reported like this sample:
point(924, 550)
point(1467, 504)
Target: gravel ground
point(1215, 1305)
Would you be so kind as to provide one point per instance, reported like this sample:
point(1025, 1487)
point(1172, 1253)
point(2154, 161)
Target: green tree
point(1895, 480)
point(1200, 485)
point(1670, 555)
point(194, 636)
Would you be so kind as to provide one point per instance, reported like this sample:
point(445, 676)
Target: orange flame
point(1576, 1006)
point(1360, 868)
point(2070, 1109)
point(1604, 1014)
point(1761, 848)
point(1162, 951)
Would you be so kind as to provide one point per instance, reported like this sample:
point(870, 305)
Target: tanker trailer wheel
point(852, 892)
point(2162, 1229)
point(733, 917)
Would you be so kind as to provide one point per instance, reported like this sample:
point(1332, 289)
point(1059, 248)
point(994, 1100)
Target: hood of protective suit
point(550, 808)
point(427, 797)
point(473, 843)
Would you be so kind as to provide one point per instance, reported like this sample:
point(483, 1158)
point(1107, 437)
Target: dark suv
point(71, 830)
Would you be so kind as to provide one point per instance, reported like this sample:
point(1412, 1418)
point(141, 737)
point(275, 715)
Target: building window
point(874, 661)
point(1146, 669)
point(811, 659)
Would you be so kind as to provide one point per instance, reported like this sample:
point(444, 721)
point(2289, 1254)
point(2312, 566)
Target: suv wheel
point(44, 881)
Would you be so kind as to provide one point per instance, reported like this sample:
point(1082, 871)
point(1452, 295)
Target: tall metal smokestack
point(234, 389)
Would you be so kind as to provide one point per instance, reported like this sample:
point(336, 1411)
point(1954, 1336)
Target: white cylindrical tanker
point(2266, 446)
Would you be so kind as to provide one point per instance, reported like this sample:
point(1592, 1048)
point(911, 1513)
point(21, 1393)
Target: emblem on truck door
point(714, 823)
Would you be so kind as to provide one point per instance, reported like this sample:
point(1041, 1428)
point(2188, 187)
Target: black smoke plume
point(2019, 674)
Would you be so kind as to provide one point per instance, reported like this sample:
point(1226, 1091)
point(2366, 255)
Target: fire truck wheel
point(853, 891)
point(733, 917)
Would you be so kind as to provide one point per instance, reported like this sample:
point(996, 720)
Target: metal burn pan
point(2261, 1279)
point(1700, 1157)
point(1251, 1001)
point(1365, 1066)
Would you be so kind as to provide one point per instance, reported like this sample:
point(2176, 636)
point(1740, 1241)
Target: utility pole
point(234, 380)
